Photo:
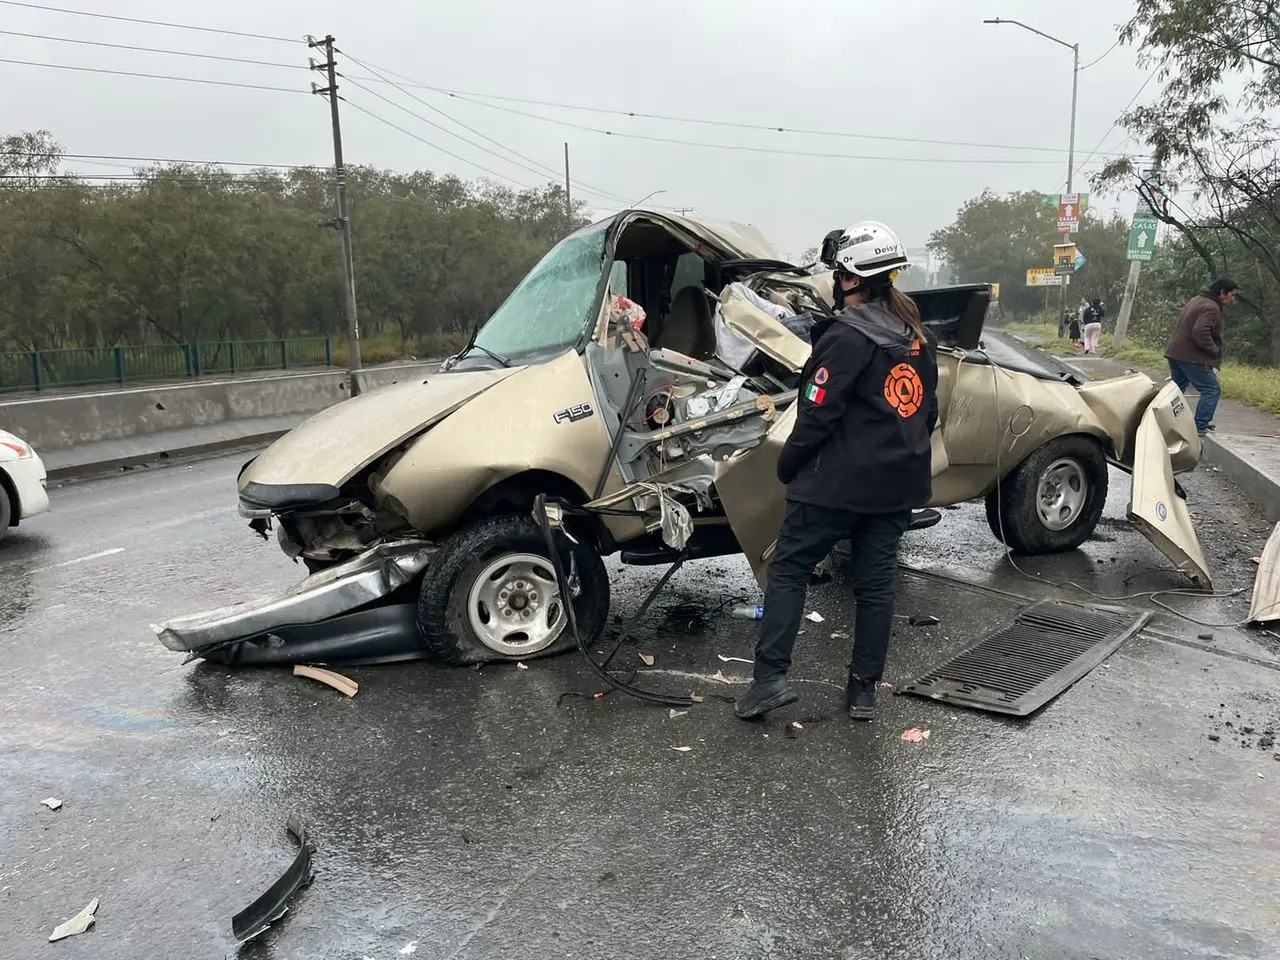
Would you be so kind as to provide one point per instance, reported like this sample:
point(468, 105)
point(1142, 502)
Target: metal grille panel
point(1023, 665)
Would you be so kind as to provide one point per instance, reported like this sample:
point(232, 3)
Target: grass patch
point(1257, 386)
point(1046, 330)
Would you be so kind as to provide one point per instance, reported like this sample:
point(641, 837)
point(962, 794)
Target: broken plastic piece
point(719, 677)
point(915, 735)
point(682, 749)
point(1265, 605)
point(53, 803)
point(329, 678)
point(674, 714)
point(814, 617)
point(646, 659)
point(81, 922)
point(271, 906)
point(522, 666)
point(724, 659)
point(923, 621)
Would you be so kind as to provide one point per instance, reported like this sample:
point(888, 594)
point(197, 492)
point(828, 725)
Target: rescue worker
point(857, 462)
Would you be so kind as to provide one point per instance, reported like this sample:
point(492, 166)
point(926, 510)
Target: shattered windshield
point(550, 306)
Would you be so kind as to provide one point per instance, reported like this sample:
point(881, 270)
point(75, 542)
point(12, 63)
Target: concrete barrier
point(81, 433)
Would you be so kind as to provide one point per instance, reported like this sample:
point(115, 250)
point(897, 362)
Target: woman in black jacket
point(858, 461)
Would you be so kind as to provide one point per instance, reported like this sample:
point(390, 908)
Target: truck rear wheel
point(491, 593)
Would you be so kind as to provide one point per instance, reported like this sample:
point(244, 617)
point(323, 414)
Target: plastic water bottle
point(748, 613)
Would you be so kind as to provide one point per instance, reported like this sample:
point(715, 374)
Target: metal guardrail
point(87, 366)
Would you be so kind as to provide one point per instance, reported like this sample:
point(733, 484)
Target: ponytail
point(905, 309)
point(880, 287)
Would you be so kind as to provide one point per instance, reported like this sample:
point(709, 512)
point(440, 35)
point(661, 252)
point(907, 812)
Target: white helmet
point(865, 249)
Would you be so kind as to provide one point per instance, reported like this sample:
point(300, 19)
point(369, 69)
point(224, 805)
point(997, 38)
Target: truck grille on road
point(1020, 667)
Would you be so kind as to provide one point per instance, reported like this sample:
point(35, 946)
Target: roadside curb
point(1233, 460)
point(169, 456)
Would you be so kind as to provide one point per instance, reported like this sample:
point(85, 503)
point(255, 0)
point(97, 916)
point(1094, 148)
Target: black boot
point(760, 698)
point(860, 697)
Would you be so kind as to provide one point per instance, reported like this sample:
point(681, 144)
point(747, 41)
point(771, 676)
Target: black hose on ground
point(648, 696)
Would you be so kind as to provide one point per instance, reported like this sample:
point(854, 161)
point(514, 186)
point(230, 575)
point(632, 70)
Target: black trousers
point(807, 536)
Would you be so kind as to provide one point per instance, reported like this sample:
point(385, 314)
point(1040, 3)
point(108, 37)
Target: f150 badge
point(575, 413)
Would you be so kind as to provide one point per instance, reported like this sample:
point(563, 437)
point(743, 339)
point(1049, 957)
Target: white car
point(22, 482)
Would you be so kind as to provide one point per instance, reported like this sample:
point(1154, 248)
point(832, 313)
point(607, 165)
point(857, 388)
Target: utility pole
point(343, 221)
point(568, 197)
point(683, 211)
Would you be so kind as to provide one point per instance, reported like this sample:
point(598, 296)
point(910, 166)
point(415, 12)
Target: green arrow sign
point(1142, 237)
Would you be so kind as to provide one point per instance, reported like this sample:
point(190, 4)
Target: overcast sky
point(924, 69)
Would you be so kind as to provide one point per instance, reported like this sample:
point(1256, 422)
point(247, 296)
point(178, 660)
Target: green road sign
point(1142, 237)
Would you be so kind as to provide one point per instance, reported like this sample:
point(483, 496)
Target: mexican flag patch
point(815, 394)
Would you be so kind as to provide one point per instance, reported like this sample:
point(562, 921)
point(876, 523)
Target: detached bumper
point(359, 583)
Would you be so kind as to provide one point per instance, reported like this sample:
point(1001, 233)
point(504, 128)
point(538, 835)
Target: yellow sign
point(1044, 277)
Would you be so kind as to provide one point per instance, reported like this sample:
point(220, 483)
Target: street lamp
point(1071, 148)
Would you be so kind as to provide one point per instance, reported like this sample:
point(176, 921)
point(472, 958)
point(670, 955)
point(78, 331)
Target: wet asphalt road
point(474, 815)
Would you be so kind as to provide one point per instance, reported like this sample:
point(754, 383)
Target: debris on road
point(916, 735)
point(719, 677)
point(1206, 635)
point(272, 905)
point(521, 665)
point(794, 729)
point(1265, 604)
point(839, 635)
point(814, 617)
point(724, 659)
point(674, 714)
point(408, 948)
point(928, 621)
point(81, 922)
point(682, 749)
point(646, 659)
point(328, 678)
point(53, 803)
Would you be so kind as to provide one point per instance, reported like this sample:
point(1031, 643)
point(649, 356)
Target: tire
point(510, 553)
point(1053, 500)
point(6, 510)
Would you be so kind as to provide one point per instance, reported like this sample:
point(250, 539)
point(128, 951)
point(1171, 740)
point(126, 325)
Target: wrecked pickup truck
point(647, 367)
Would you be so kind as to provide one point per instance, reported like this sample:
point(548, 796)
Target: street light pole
point(1071, 148)
point(647, 196)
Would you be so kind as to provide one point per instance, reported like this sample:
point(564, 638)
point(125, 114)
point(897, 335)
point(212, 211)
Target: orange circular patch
point(904, 390)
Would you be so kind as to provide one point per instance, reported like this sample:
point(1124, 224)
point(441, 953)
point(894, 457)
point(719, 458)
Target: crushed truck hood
point(335, 444)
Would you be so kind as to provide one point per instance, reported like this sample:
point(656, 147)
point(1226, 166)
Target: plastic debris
point(794, 729)
point(646, 659)
point(408, 948)
point(724, 659)
point(674, 714)
point(329, 678)
point(719, 677)
point(694, 698)
point(916, 735)
point(839, 635)
point(814, 617)
point(682, 749)
point(923, 621)
point(53, 803)
point(274, 903)
point(522, 665)
point(81, 922)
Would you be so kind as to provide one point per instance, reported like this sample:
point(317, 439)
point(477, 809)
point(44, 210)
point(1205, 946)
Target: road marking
point(71, 563)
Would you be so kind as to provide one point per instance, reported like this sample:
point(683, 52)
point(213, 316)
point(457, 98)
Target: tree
point(1214, 138)
point(997, 239)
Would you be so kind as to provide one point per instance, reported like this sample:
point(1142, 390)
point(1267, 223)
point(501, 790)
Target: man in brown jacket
point(1195, 349)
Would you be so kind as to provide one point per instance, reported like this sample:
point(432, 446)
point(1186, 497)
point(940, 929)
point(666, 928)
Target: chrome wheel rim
point(1061, 495)
point(514, 605)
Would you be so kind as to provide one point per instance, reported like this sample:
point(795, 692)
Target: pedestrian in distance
point(1195, 348)
point(858, 461)
point(1093, 315)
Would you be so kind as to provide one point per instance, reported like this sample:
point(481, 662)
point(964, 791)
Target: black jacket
point(868, 404)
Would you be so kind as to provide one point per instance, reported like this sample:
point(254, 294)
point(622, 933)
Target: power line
point(1093, 63)
point(410, 133)
point(54, 178)
point(437, 126)
point(168, 52)
point(1134, 99)
point(202, 163)
point(556, 173)
point(152, 23)
point(479, 98)
point(152, 76)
